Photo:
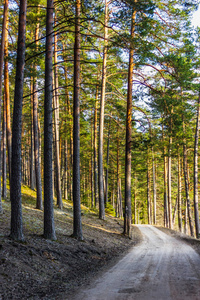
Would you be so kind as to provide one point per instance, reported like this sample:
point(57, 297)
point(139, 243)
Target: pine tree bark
point(49, 228)
point(77, 225)
point(185, 170)
point(128, 211)
point(56, 120)
point(166, 215)
point(154, 186)
point(179, 193)
point(148, 192)
point(2, 46)
point(32, 173)
point(7, 100)
point(39, 204)
point(4, 189)
point(95, 153)
point(169, 183)
point(107, 163)
point(15, 188)
point(196, 206)
point(101, 119)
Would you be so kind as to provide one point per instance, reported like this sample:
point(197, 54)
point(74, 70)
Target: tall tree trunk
point(95, 153)
point(7, 100)
point(128, 211)
point(32, 173)
point(169, 183)
point(39, 204)
point(187, 188)
point(2, 46)
point(166, 215)
point(56, 119)
point(118, 174)
point(179, 194)
point(70, 153)
point(4, 190)
point(15, 188)
point(148, 192)
point(92, 165)
point(107, 162)
point(175, 210)
point(77, 225)
point(49, 228)
point(65, 170)
point(196, 206)
point(101, 119)
point(154, 186)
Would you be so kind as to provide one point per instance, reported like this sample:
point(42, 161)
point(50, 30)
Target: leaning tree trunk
point(15, 188)
point(101, 119)
point(77, 225)
point(196, 206)
point(128, 211)
point(2, 46)
point(49, 228)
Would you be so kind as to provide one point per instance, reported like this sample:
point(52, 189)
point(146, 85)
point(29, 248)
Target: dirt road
point(160, 268)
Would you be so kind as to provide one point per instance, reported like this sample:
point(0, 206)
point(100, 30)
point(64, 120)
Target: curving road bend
point(160, 268)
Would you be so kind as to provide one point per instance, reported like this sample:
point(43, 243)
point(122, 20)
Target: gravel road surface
point(160, 268)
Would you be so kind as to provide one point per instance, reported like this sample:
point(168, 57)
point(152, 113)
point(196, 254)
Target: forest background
point(122, 79)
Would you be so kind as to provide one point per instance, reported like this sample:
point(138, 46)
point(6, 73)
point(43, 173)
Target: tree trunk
point(187, 189)
point(128, 211)
point(148, 192)
point(32, 173)
point(179, 194)
point(77, 225)
point(15, 188)
point(166, 215)
point(7, 100)
point(169, 183)
point(4, 190)
point(49, 228)
point(65, 170)
point(2, 46)
point(154, 187)
point(107, 162)
point(56, 119)
point(92, 166)
point(101, 120)
point(95, 153)
point(196, 206)
point(39, 204)
point(175, 210)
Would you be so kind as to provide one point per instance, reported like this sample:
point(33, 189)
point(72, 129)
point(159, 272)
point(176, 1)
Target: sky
point(196, 18)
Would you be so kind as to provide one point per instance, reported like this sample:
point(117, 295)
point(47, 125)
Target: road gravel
point(161, 267)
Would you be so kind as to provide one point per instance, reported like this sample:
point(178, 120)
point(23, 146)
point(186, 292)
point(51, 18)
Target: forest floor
point(43, 269)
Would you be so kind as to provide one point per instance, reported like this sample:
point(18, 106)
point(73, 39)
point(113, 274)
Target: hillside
point(42, 269)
